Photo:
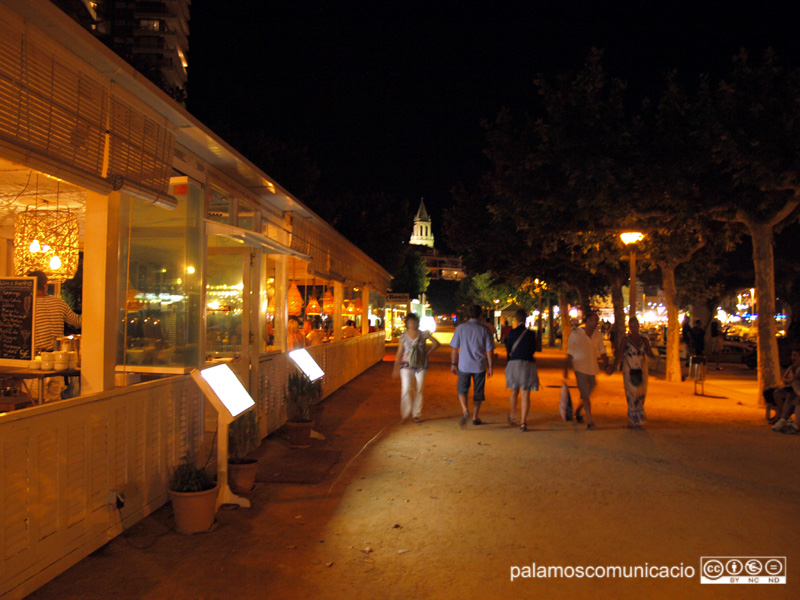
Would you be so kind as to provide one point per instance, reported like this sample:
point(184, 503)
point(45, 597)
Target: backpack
point(417, 356)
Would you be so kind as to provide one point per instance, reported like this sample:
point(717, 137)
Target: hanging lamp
point(294, 299)
point(46, 240)
point(359, 307)
point(312, 308)
point(348, 308)
point(327, 302)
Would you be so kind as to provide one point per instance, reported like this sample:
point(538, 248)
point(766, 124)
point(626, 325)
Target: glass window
point(224, 303)
point(160, 285)
point(219, 207)
point(246, 216)
point(377, 308)
point(269, 270)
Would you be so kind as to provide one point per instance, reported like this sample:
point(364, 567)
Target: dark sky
point(389, 96)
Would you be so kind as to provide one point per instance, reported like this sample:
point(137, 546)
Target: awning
point(251, 238)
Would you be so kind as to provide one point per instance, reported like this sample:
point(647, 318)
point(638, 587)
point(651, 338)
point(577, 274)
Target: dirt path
point(434, 511)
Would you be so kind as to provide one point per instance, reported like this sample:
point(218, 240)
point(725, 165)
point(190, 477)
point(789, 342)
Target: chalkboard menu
point(17, 305)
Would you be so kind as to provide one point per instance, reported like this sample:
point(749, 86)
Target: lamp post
point(629, 238)
point(540, 285)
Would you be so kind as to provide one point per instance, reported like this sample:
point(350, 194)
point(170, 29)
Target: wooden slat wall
point(342, 361)
point(61, 113)
point(58, 463)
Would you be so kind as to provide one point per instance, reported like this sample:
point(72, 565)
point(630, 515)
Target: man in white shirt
point(585, 347)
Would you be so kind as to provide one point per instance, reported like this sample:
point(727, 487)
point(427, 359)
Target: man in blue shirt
point(471, 359)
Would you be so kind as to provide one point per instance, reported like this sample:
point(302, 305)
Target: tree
point(413, 276)
point(751, 133)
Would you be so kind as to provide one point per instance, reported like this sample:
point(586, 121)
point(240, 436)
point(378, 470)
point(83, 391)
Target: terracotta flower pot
point(194, 511)
point(242, 476)
point(299, 434)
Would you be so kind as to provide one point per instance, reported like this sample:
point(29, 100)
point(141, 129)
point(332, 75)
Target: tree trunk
point(618, 301)
point(551, 336)
point(673, 370)
point(566, 324)
point(763, 261)
point(584, 298)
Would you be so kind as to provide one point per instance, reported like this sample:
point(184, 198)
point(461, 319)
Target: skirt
point(522, 375)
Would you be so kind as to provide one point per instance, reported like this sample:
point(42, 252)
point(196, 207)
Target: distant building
point(441, 267)
point(152, 36)
point(423, 233)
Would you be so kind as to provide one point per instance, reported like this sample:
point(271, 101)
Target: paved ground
point(434, 511)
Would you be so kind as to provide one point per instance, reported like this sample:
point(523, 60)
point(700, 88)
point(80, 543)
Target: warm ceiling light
point(312, 308)
point(327, 303)
point(295, 301)
point(46, 240)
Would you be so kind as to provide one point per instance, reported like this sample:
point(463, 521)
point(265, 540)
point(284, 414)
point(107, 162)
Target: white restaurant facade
point(189, 251)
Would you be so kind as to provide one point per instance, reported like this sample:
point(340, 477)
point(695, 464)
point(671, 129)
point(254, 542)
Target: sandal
point(511, 421)
point(523, 428)
point(578, 419)
point(591, 426)
point(417, 420)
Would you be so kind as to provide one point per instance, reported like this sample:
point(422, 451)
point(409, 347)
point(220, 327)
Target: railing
point(341, 361)
point(59, 461)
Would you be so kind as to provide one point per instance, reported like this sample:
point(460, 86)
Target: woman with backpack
point(411, 365)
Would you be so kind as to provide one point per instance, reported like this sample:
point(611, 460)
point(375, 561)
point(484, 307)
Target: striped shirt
point(51, 314)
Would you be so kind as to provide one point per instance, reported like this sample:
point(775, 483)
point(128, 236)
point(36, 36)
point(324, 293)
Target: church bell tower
point(423, 234)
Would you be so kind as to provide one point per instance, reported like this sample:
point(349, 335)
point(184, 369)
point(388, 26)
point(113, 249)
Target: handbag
point(565, 404)
point(519, 339)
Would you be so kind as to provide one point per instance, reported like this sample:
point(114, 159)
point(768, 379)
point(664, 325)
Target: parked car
point(785, 347)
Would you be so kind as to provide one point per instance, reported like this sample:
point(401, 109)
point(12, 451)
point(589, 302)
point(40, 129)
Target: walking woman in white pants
point(411, 365)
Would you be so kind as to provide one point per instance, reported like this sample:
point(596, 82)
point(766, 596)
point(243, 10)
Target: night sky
point(389, 96)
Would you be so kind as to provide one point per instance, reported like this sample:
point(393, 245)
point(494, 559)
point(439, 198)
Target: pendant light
point(312, 308)
point(327, 302)
point(294, 299)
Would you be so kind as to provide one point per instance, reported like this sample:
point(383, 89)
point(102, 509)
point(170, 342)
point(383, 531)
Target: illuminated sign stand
point(226, 393)
point(306, 364)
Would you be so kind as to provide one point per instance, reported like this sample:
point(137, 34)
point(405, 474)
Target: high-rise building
point(152, 36)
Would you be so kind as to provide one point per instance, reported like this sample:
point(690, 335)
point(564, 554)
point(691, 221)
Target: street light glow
point(631, 237)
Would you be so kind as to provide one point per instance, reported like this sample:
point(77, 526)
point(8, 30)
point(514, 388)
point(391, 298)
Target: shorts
point(586, 384)
point(522, 375)
point(480, 383)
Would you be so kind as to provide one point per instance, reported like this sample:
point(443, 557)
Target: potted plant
point(243, 438)
point(301, 395)
point(194, 497)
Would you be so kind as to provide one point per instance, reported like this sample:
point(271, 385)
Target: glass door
point(228, 309)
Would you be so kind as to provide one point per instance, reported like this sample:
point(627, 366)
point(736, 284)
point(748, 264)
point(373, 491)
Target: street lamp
point(629, 238)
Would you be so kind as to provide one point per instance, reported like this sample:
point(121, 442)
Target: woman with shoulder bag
point(521, 372)
point(633, 351)
point(411, 365)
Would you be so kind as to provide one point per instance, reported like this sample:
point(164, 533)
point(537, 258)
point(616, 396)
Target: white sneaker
point(779, 425)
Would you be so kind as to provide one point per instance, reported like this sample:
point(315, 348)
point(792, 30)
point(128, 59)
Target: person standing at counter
point(51, 315)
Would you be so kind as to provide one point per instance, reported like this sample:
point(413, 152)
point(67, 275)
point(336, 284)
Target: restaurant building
point(189, 255)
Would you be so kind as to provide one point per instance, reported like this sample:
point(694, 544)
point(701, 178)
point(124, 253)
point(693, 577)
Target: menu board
point(17, 305)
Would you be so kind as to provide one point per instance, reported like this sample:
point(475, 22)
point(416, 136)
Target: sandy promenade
point(434, 511)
